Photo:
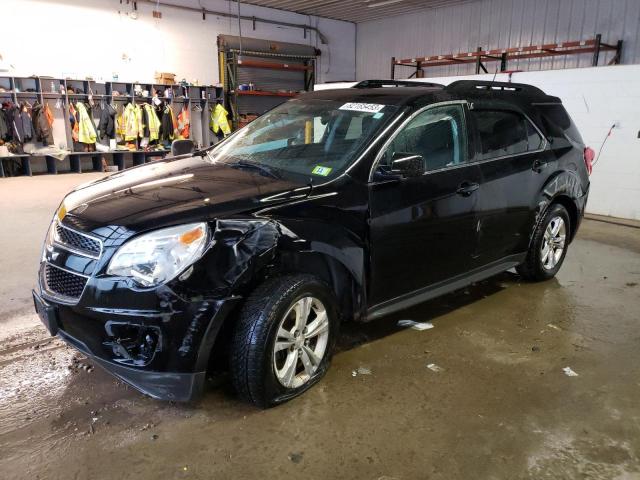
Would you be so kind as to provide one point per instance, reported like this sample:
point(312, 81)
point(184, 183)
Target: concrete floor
point(500, 405)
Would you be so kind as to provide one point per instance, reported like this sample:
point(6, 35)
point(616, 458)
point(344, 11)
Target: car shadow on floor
point(354, 334)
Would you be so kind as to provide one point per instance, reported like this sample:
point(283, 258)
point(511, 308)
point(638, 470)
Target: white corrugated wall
point(497, 24)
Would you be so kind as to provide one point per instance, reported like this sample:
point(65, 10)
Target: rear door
point(423, 229)
point(514, 163)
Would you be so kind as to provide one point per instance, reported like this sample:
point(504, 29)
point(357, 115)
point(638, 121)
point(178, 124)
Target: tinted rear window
point(556, 118)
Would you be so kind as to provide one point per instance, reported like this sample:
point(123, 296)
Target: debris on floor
point(296, 457)
point(555, 327)
point(415, 325)
point(434, 368)
point(569, 372)
point(78, 364)
point(361, 371)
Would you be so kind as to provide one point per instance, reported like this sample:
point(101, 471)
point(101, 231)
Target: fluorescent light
point(386, 2)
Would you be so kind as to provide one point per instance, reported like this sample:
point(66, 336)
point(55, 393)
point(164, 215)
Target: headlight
point(157, 257)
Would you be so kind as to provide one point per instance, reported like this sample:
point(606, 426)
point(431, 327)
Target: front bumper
point(173, 369)
point(180, 387)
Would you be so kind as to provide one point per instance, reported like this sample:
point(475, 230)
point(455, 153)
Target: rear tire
point(548, 246)
point(284, 339)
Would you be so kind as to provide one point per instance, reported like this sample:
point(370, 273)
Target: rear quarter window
point(558, 121)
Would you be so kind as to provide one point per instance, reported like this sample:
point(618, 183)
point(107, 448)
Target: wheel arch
point(572, 210)
point(345, 284)
point(564, 188)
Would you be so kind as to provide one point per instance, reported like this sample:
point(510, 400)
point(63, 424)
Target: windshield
point(305, 138)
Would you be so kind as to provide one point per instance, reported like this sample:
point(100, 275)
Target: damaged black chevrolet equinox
point(339, 205)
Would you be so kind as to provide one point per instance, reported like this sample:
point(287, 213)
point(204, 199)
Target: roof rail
point(395, 83)
point(486, 85)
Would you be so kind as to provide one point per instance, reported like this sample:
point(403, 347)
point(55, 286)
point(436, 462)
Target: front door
point(423, 229)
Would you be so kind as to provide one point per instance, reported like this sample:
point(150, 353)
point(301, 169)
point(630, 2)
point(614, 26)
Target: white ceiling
point(354, 10)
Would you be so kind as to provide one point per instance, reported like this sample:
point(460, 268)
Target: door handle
point(538, 165)
point(467, 188)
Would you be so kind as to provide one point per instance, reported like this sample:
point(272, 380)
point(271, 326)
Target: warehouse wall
point(497, 24)
point(79, 38)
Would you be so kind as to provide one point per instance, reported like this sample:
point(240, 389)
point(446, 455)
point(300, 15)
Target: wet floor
point(482, 394)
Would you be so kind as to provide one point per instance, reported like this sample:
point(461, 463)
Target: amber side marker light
point(191, 236)
point(62, 212)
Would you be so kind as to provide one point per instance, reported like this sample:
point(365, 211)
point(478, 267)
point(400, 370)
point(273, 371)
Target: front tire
point(548, 245)
point(284, 339)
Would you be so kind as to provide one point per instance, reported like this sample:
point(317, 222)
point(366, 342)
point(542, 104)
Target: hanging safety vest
point(219, 120)
point(48, 114)
point(86, 128)
point(120, 123)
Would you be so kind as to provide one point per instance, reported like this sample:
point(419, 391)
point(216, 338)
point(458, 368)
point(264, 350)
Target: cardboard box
point(164, 78)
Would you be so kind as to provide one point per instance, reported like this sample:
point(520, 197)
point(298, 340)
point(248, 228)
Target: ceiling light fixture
point(386, 2)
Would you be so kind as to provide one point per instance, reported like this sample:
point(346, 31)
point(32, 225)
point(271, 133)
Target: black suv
point(340, 204)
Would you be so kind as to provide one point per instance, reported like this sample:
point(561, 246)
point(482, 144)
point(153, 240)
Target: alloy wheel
point(553, 243)
point(301, 342)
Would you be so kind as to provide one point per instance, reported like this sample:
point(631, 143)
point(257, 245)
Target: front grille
point(78, 223)
point(77, 241)
point(63, 283)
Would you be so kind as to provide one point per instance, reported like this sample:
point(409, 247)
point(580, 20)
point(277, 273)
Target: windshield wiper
point(255, 166)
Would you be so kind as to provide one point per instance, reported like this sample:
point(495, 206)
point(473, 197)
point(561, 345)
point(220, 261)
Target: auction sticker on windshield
point(320, 170)
point(362, 107)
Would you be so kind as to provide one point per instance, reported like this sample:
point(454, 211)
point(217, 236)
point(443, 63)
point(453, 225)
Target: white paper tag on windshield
point(362, 107)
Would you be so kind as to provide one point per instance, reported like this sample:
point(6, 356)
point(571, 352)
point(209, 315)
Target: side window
point(505, 133)
point(437, 134)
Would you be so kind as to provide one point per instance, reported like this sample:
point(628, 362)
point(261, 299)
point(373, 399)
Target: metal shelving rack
point(278, 70)
point(503, 55)
point(197, 99)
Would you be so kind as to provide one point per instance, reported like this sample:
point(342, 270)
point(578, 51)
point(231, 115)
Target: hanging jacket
point(21, 123)
point(5, 126)
point(184, 124)
point(73, 120)
point(219, 121)
point(169, 124)
point(106, 126)
point(151, 123)
point(27, 124)
point(41, 125)
point(15, 122)
point(86, 128)
point(133, 124)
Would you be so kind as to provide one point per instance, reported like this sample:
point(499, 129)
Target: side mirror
point(407, 164)
point(182, 147)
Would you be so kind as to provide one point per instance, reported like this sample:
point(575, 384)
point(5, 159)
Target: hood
point(174, 191)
